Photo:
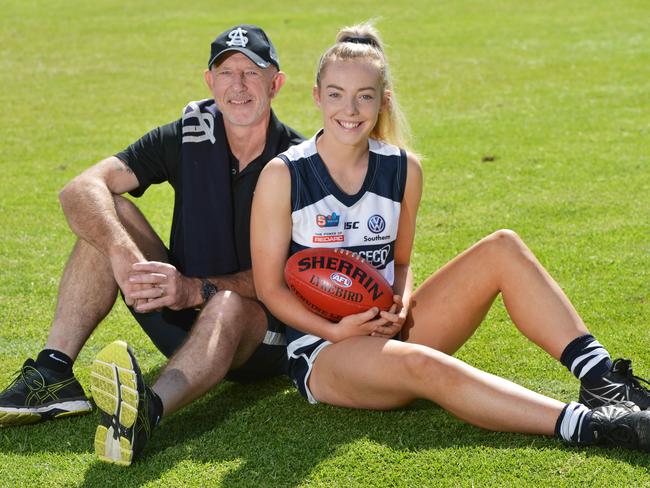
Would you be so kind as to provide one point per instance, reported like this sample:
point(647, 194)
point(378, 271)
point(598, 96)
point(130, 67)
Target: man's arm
point(89, 206)
point(180, 291)
point(241, 283)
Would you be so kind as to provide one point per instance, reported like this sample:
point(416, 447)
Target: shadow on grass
point(265, 434)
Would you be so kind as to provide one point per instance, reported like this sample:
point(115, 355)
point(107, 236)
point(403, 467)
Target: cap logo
point(237, 38)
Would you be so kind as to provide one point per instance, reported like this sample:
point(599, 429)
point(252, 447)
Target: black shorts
point(302, 352)
point(168, 329)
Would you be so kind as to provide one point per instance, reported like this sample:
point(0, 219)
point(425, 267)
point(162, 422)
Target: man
point(195, 300)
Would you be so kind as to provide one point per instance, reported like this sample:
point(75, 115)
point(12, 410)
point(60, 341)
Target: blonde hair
point(362, 41)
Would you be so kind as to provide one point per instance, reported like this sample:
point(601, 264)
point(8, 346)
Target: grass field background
point(533, 116)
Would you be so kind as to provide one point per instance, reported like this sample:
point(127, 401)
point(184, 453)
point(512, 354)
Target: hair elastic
point(360, 40)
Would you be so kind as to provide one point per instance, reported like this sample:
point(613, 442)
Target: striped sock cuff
point(572, 424)
point(586, 358)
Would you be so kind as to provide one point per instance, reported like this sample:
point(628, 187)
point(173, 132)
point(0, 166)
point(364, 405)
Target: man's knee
point(139, 229)
point(238, 324)
point(87, 253)
point(125, 208)
point(235, 314)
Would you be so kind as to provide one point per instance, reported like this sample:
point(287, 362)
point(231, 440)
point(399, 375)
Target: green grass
point(555, 93)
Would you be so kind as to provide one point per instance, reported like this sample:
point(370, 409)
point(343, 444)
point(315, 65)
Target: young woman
point(352, 186)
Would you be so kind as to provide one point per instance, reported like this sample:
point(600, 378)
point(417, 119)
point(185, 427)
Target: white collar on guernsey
point(308, 148)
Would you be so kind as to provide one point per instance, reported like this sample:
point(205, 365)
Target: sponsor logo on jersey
point(328, 220)
point(237, 37)
point(376, 224)
point(341, 280)
point(375, 238)
point(324, 239)
point(351, 225)
point(377, 257)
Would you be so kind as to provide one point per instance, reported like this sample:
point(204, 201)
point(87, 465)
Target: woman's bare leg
point(373, 373)
point(449, 306)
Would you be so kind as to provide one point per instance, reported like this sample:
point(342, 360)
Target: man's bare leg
point(88, 289)
point(225, 335)
point(86, 294)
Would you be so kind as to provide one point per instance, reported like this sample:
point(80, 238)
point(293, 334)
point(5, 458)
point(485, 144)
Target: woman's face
point(350, 97)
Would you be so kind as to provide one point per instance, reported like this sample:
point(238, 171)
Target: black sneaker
point(125, 403)
point(618, 385)
point(37, 394)
point(621, 425)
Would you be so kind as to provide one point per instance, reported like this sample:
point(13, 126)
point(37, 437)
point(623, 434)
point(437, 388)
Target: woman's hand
point(358, 324)
point(394, 319)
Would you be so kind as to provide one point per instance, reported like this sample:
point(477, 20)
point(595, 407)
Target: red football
point(334, 282)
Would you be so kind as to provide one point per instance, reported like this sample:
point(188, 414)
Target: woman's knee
point(433, 374)
point(505, 237)
point(422, 363)
point(505, 242)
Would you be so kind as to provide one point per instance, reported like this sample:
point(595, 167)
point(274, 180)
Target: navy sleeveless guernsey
point(323, 215)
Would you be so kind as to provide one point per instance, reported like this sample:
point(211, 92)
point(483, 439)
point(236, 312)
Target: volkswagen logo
point(376, 224)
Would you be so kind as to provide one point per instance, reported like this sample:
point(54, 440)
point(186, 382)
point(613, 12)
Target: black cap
point(249, 40)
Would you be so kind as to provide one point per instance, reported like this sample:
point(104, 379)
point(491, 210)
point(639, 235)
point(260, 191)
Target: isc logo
point(351, 225)
point(341, 280)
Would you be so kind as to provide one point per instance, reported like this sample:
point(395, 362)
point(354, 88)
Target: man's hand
point(162, 285)
point(122, 260)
